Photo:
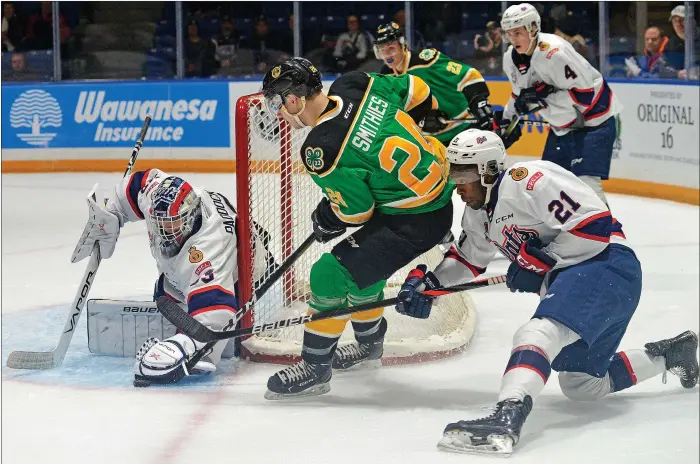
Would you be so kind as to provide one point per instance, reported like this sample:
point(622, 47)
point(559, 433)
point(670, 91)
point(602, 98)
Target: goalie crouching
point(193, 240)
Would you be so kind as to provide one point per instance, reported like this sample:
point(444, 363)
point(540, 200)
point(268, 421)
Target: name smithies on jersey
point(370, 123)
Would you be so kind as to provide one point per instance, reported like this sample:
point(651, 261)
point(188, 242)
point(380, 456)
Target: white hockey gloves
point(103, 226)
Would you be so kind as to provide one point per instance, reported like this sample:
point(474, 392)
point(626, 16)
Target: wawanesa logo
point(36, 109)
point(93, 106)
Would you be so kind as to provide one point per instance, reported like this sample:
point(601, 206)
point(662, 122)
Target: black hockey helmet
point(388, 33)
point(296, 76)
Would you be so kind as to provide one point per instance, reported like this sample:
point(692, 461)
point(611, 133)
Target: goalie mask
point(175, 208)
point(296, 76)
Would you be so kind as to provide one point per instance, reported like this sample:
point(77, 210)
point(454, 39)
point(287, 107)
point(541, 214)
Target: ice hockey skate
point(300, 380)
point(681, 356)
point(359, 356)
point(495, 434)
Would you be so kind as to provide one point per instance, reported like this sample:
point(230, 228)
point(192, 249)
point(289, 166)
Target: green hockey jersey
point(367, 153)
point(448, 80)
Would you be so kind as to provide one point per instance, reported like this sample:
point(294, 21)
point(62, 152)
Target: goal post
point(275, 199)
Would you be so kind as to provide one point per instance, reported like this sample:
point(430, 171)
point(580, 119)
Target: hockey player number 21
point(557, 207)
point(420, 187)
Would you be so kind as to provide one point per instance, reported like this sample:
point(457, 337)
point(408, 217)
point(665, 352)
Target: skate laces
point(353, 351)
point(295, 372)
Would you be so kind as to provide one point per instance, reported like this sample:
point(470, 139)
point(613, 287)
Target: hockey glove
point(485, 117)
point(411, 302)
point(103, 226)
point(326, 224)
point(532, 96)
point(527, 272)
point(434, 121)
point(502, 127)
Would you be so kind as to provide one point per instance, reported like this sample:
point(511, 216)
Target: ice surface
point(88, 412)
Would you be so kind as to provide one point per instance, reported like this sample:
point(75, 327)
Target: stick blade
point(32, 360)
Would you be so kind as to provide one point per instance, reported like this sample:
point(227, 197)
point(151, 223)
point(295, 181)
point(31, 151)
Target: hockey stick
point(521, 121)
point(54, 358)
point(177, 317)
point(199, 332)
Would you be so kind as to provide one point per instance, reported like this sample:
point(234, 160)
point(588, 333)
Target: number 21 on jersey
point(406, 176)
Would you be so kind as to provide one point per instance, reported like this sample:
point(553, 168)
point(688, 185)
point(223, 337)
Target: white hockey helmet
point(483, 148)
point(519, 15)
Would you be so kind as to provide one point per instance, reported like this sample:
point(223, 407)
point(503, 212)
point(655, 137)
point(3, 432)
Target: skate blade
point(363, 366)
point(316, 390)
point(498, 445)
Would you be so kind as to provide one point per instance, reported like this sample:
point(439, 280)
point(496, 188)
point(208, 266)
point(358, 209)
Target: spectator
point(198, 53)
point(226, 44)
point(18, 70)
point(653, 63)
point(40, 29)
point(352, 47)
point(491, 43)
point(400, 19)
point(567, 29)
point(266, 47)
point(675, 50)
point(12, 28)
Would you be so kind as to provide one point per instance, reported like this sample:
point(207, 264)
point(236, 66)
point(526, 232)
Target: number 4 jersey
point(367, 154)
point(532, 199)
point(581, 92)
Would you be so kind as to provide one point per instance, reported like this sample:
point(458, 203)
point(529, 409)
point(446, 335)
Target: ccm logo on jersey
point(504, 218)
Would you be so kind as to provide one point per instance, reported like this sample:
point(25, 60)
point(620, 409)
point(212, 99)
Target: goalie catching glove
point(103, 226)
point(163, 362)
point(411, 301)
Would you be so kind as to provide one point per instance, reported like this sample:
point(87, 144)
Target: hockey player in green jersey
point(377, 172)
point(459, 89)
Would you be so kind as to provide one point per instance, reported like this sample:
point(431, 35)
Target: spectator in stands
point(675, 50)
point(18, 70)
point(567, 28)
point(226, 44)
point(352, 47)
point(12, 28)
point(198, 53)
point(653, 63)
point(491, 43)
point(400, 19)
point(267, 47)
point(40, 29)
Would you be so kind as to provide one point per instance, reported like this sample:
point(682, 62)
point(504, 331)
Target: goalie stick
point(54, 358)
point(190, 326)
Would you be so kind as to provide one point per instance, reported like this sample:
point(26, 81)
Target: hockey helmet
point(477, 147)
point(386, 34)
point(519, 15)
point(295, 76)
point(174, 211)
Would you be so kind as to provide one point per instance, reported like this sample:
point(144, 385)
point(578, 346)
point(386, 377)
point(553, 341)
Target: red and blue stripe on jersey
point(211, 298)
point(599, 227)
point(596, 105)
point(452, 253)
point(136, 184)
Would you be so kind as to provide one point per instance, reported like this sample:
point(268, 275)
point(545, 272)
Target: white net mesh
point(281, 198)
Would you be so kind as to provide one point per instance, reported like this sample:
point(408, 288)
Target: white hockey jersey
point(204, 273)
point(531, 199)
point(580, 87)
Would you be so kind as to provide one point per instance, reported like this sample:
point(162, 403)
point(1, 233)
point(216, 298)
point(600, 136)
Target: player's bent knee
point(546, 334)
point(579, 386)
point(329, 280)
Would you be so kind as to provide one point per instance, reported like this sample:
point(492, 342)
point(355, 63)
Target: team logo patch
point(543, 46)
point(314, 158)
point(195, 255)
point(552, 52)
point(518, 173)
point(313, 69)
point(202, 267)
point(276, 72)
point(533, 180)
point(481, 140)
point(427, 54)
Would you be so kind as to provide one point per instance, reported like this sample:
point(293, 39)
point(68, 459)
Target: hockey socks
point(630, 367)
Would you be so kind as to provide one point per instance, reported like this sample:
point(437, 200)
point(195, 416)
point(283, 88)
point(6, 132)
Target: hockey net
point(275, 199)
